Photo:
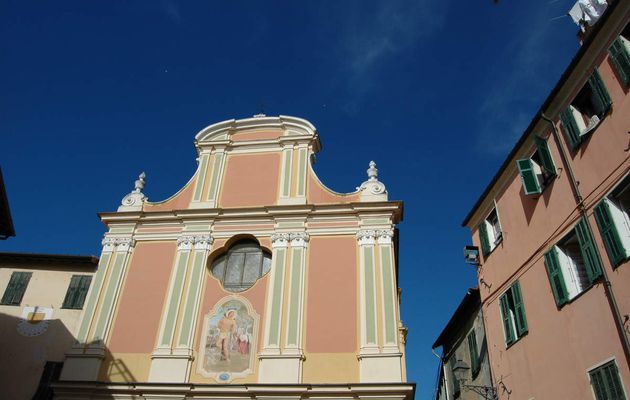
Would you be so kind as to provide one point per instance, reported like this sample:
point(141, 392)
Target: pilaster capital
point(203, 242)
point(280, 240)
point(199, 242)
point(118, 244)
point(366, 237)
point(384, 236)
point(299, 239)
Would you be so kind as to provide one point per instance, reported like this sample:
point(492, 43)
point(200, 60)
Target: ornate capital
point(299, 239)
point(120, 244)
point(185, 242)
point(384, 236)
point(203, 242)
point(366, 236)
point(199, 242)
point(280, 240)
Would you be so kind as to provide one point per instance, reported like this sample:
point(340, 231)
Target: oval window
point(243, 264)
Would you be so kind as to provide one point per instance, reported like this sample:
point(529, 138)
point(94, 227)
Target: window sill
point(577, 296)
point(72, 308)
point(590, 130)
point(517, 340)
point(9, 304)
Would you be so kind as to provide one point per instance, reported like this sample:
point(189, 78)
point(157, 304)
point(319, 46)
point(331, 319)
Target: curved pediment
point(256, 128)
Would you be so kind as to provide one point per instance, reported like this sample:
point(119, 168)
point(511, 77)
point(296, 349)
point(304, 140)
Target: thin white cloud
point(392, 27)
point(369, 37)
point(171, 10)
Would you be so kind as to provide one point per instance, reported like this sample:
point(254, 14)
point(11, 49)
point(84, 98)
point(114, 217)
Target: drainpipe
point(610, 296)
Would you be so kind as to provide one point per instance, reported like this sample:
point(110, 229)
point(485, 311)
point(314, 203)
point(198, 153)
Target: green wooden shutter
point(611, 376)
point(606, 382)
point(483, 237)
point(528, 176)
point(16, 288)
point(601, 98)
point(589, 252)
point(73, 288)
point(616, 252)
point(555, 277)
point(545, 155)
point(507, 320)
point(519, 309)
point(570, 128)
point(474, 355)
point(84, 286)
point(621, 60)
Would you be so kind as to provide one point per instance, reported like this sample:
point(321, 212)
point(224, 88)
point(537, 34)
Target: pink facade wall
point(250, 180)
point(331, 322)
point(137, 322)
point(317, 193)
point(256, 135)
point(179, 201)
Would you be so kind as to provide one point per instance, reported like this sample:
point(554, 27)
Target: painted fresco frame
point(209, 354)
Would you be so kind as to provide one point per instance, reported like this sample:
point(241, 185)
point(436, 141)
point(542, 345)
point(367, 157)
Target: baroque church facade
point(254, 280)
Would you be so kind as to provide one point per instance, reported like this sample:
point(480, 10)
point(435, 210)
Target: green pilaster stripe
point(91, 303)
point(176, 294)
point(370, 322)
point(301, 181)
point(201, 178)
point(286, 187)
point(294, 300)
point(388, 295)
point(276, 300)
point(191, 301)
point(216, 170)
point(110, 293)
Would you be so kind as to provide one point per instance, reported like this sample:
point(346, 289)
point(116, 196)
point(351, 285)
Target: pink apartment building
point(553, 227)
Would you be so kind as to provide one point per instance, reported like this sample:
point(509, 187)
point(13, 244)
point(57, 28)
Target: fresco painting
point(228, 344)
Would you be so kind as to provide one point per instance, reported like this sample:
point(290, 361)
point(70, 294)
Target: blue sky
point(435, 91)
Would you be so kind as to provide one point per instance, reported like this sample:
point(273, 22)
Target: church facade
point(253, 280)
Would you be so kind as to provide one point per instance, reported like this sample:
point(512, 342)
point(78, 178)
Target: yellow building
point(42, 297)
point(254, 280)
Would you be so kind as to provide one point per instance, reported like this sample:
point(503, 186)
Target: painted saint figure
point(227, 325)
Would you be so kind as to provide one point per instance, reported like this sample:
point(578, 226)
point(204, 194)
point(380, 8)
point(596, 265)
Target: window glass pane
point(219, 268)
point(266, 264)
point(252, 267)
point(234, 269)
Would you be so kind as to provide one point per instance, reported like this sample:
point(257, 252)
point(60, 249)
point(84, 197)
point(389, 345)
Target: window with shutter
point(519, 309)
point(589, 252)
point(538, 171)
point(620, 56)
point(474, 355)
point(606, 382)
point(586, 111)
point(513, 314)
point(490, 234)
point(613, 221)
point(77, 290)
point(529, 172)
point(16, 288)
point(573, 264)
point(556, 278)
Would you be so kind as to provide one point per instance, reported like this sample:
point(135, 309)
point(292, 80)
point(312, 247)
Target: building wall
point(459, 350)
point(563, 343)
point(326, 312)
point(29, 346)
